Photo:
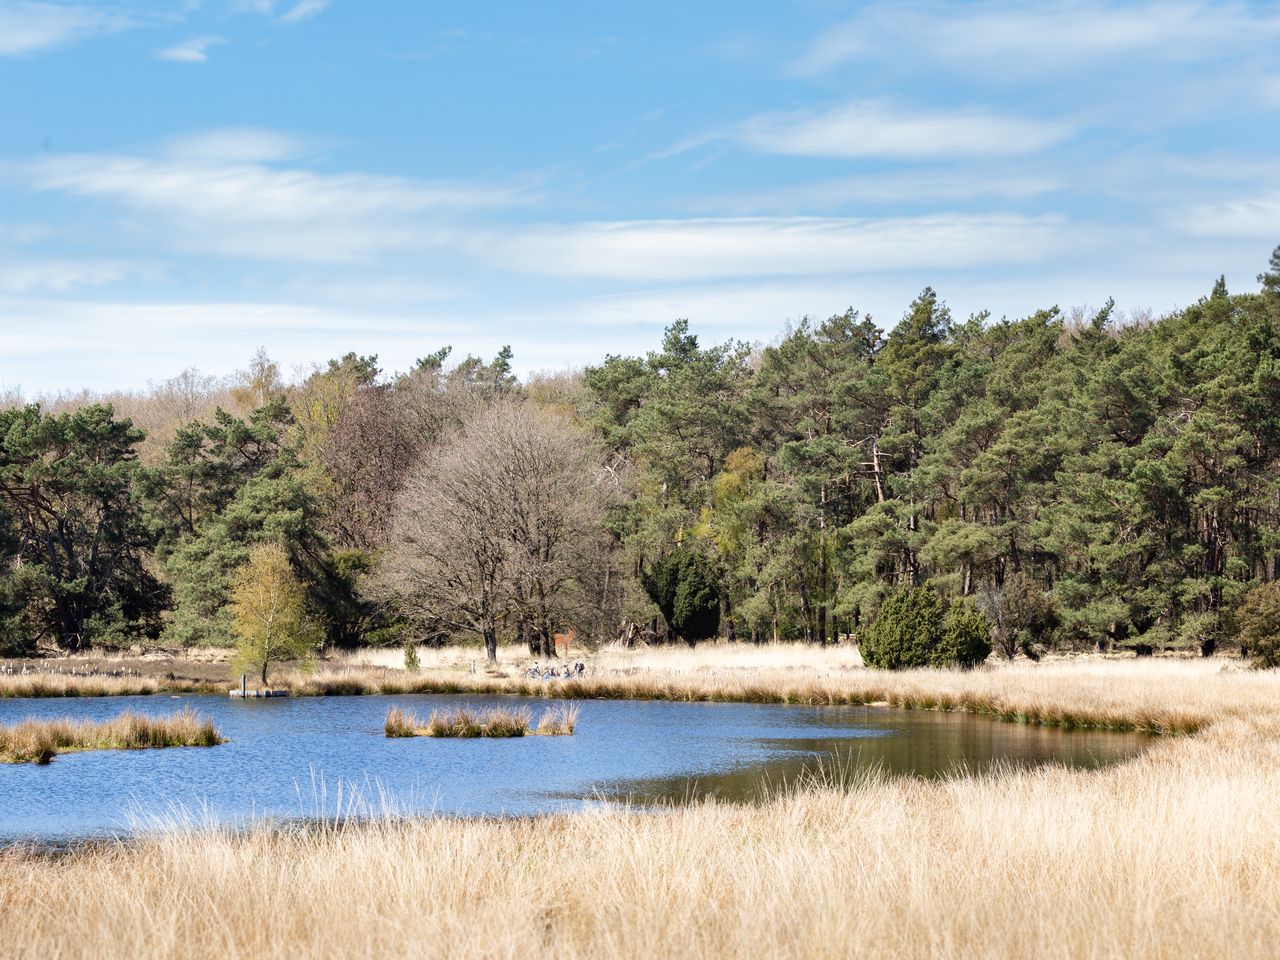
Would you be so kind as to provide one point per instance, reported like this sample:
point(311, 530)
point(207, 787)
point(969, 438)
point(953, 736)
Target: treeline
point(1082, 482)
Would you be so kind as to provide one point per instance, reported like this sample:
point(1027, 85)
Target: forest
point(1081, 480)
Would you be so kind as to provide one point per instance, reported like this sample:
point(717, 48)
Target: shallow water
point(307, 757)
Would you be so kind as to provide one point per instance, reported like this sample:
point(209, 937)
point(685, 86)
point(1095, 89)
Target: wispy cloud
point(62, 275)
point(235, 144)
point(195, 50)
point(29, 26)
point(1043, 36)
point(964, 184)
point(304, 10)
point(295, 13)
point(1257, 216)
point(216, 193)
point(769, 246)
point(874, 128)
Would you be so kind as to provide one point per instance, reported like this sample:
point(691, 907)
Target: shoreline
point(793, 679)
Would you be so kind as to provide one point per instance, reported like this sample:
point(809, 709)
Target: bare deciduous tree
point(503, 520)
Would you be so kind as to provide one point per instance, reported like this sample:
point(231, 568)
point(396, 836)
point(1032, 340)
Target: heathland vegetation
point(1050, 482)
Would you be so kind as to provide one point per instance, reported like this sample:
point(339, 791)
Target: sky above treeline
point(183, 182)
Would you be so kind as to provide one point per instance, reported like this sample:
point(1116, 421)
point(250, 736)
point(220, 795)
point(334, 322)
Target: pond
point(303, 757)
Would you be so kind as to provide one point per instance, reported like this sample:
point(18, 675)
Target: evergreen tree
point(907, 631)
point(73, 540)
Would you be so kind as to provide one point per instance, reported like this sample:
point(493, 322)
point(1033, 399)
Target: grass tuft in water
point(557, 721)
point(39, 741)
point(466, 723)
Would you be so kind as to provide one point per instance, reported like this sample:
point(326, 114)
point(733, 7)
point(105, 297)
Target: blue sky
point(183, 182)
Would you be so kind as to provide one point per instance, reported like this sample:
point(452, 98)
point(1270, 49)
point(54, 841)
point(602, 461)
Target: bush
point(915, 629)
point(1259, 620)
point(966, 637)
point(906, 632)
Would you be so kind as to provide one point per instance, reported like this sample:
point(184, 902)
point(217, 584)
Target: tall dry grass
point(468, 722)
point(39, 741)
point(79, 685)
point(1173, 855)
point(1120, 696)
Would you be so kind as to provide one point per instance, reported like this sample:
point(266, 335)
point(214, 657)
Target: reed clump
point(39, 741)
point(401, 723)
point(558, 721)
point(467, 723)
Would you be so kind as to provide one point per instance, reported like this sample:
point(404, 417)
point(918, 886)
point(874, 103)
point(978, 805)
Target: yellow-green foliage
point(38, 741)
point(268, 606)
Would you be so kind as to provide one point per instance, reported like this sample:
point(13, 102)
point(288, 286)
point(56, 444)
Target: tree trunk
point(490, 643)
point(526, 638)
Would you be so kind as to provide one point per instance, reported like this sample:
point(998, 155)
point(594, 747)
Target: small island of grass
point(39, 741)
point(498, 722)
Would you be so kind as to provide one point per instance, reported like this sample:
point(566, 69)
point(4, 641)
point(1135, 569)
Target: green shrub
point(966, 637)
point(915, 629)
point(906, 632)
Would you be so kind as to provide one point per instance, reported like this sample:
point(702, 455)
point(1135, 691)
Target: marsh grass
point(44, 685)
point(39, 741)
point(465, 722)
point(558, 721)
point(1060, 699)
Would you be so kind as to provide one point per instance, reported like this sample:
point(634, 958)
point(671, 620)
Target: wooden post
point(244, 682)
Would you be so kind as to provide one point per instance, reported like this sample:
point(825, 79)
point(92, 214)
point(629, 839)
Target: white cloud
point(195, 50)
point(246, 209)
point(304, 10)
point(62, 275)
point(910, 187)
point(299, 11)
point(711, 248)
point(1270, 91)
point(1246, 217)
point(234, 144)
point(872, 128)
point(28, 26)
point(53, 344)
point(1056, 35)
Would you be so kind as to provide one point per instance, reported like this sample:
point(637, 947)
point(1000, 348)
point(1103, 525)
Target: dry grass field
point(1174, 854)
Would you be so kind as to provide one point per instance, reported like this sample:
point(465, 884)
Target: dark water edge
point(291, 761)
